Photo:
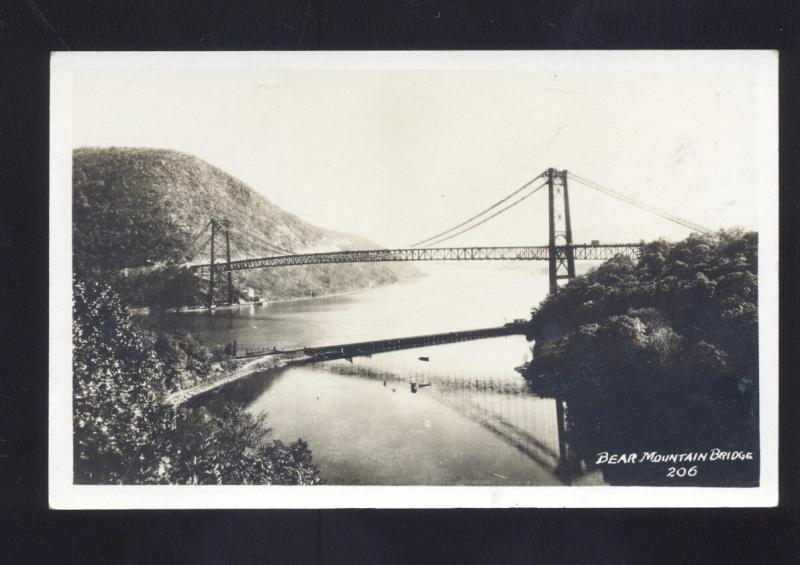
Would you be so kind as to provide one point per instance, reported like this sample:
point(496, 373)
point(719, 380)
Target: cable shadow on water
point(504, 407)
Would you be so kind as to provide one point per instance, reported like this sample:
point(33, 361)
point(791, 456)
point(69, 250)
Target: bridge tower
point(224, 226)
point(211, 270)
point(561, 255)
point(561, 259)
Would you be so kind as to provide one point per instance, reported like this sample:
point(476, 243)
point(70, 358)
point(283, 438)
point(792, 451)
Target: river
point(475, 424)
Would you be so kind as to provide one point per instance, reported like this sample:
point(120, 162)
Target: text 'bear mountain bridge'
point(560, 252)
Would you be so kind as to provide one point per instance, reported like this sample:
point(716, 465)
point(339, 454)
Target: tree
point(124, 433)
point(159, 288)
point(118, 382)
point(657, 355)
point(232, 448)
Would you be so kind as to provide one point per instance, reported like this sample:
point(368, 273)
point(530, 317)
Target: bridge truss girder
point(583, 252)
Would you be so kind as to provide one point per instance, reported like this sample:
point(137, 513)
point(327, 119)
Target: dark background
point(29, 532)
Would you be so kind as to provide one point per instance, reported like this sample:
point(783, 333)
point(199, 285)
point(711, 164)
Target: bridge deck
point(271, 360)
point(369, 348)
point(512, 253)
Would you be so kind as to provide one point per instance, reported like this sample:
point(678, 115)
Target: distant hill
point(136, 208)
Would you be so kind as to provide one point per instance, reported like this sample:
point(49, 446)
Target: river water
point(475, 424)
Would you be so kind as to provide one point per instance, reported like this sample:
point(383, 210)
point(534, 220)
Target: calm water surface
point(474, 424)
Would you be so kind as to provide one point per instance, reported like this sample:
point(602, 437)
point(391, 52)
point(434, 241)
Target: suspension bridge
point(560, 252)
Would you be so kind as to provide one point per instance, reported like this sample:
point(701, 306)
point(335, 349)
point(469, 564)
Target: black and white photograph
point(418, 279)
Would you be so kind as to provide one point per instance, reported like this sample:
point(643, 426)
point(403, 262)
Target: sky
point(400, 155)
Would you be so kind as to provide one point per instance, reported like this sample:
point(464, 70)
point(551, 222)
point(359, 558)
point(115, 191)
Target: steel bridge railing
point(512, 253)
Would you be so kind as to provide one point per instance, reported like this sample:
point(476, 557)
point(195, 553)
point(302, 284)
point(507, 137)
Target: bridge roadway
point(368, 348)
point(512, 253)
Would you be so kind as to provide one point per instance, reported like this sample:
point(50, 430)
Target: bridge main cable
point(638, 203)
point(476, 216)
point(483, 221)
point(261, 242)
point(190, 257)
point(190, 250)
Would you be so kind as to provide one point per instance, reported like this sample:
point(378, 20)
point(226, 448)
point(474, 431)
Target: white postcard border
point(63, 494)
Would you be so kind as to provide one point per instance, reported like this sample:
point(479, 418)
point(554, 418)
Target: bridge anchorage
point(560, 252)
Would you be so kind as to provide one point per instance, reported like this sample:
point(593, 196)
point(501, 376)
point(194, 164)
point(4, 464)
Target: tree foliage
point(123, 433)
point(161, 288)
point(236, 450)
point(657, 355)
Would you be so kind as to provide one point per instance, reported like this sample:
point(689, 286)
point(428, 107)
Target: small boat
point(416, 386)
point(423, 358)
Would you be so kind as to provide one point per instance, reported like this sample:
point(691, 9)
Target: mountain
point(136, 209)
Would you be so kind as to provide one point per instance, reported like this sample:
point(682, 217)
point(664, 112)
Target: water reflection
point(504, 407)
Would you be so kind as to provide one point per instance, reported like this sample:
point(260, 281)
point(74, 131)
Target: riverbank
point(260, 365)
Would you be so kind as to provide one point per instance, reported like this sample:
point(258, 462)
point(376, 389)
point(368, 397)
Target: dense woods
point(137, 211)
point(124, 434)
point(659, 355)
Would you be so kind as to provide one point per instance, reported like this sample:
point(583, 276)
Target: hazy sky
point(400, 155)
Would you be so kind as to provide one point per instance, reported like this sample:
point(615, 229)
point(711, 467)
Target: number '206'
point(682, 471)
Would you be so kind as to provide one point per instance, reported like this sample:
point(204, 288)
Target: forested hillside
point(659, 355)
point(135, 209)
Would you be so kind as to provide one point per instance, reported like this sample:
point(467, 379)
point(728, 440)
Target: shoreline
point(264, 364)
point(145, 311)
